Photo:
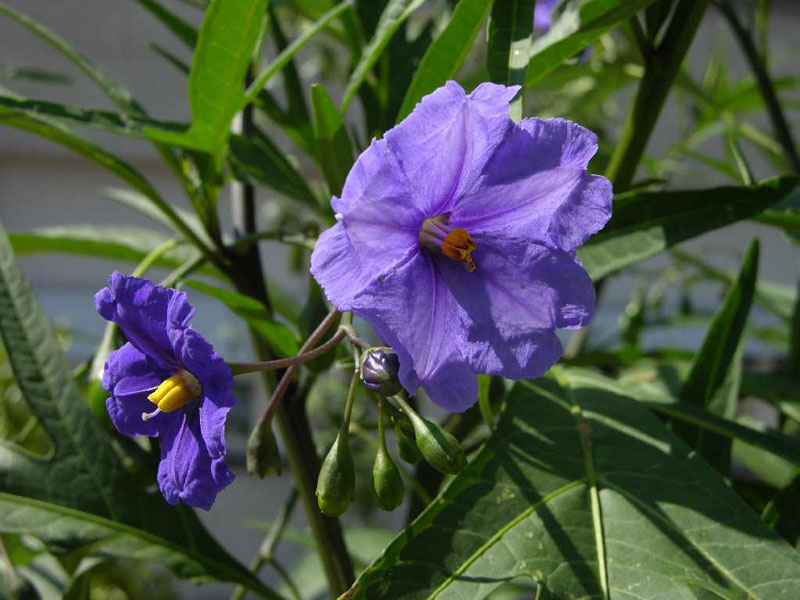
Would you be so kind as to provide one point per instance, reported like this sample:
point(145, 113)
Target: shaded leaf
point(574, 25)
point(83, 494)
point(646, 223)
point(333, 146)
point(182, 30)
point(586, 493)
point(446, 53)
point(393, 16)
point(510, 37)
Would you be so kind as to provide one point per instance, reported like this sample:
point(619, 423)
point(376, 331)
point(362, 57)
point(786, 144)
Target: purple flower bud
point(379, 369)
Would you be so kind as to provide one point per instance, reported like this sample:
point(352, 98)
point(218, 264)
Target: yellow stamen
point(458, 245)
point(175, 392)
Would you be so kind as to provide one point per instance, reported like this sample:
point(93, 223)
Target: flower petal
point(443, 145)
point(413, 311)
point(537, 186)
point(519, 293)
point(186, 471)
point(343, 273)
point(197, 355)
point(140, 309)
point(130, 377)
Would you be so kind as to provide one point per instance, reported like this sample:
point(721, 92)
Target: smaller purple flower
point(168, 382)
point(543, 13)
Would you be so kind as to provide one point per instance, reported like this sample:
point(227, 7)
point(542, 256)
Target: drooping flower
point(456, 240)
point(168, 382)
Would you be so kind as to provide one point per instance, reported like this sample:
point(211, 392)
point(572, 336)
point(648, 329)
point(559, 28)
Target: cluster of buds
point(417, 439)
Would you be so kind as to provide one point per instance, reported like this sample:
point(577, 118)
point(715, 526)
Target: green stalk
point(780, 125)
point(292, 422)
point(660, 70)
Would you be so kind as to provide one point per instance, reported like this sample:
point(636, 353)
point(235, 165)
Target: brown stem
point(240, 368)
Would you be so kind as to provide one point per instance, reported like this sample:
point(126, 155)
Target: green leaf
point(118, 94)
point(510, 37)
point(575, 25)
point(589, 495)
point(125, 243)
point(82, 494)
point(333, 146)
point(646, 223)
point(257, 160)
point(228, 36)
point(279, 337)
point(445, 55)
point(185, 32)
point(709, 385)
point(667, 405)
point(393, 16)
point(10, 73)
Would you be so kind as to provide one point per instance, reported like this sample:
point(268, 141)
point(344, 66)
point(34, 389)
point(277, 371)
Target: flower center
point(455, 243)
point(173, 393)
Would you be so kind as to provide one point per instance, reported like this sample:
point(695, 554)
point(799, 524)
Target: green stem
point(298, 445)
point(780, 125)
point(659, 74)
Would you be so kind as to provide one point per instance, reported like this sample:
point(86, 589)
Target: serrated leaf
point(575, 24)
point(588, 494)
point(224, 49)
point(446, 53)
point(333, 146)
point(279, 337)
point(392, 17)
point(82, 494)
point(646, 223)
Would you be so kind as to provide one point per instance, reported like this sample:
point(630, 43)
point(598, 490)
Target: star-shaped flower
point(456, 240)
point(168, 382)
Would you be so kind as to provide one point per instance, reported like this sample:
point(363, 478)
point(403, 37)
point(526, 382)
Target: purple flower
point(168, 382)
point(542, 13)
point(456, 240)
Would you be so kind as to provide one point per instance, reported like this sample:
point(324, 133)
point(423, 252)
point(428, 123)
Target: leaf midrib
point(123, 528)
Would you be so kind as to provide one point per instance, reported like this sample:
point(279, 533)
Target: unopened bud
point(406, 446)
point(439, 449)
point(337, 479)
point(386, 481)
point(379, 369)
point(262, 452)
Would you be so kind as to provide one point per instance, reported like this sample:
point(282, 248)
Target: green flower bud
point(406, 446)
point(337, 479)
point(440, 449)
point(386, 481)
point(262, 455)
point(379, 369)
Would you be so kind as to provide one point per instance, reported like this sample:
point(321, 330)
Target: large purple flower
point(168, 382)
point(456, 240)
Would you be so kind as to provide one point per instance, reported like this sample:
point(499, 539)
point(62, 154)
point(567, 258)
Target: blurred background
point(43, 185)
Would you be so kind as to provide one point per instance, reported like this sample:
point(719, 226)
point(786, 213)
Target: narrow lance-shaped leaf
point(83, 494)
point(707, 384)
point(333, 146)
point(393, 16)
point(182, 30)
point(576, 24)
point(646, 223)
point(510, 36)
point(445, 55)
point(224, 49)
point(586, 494)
